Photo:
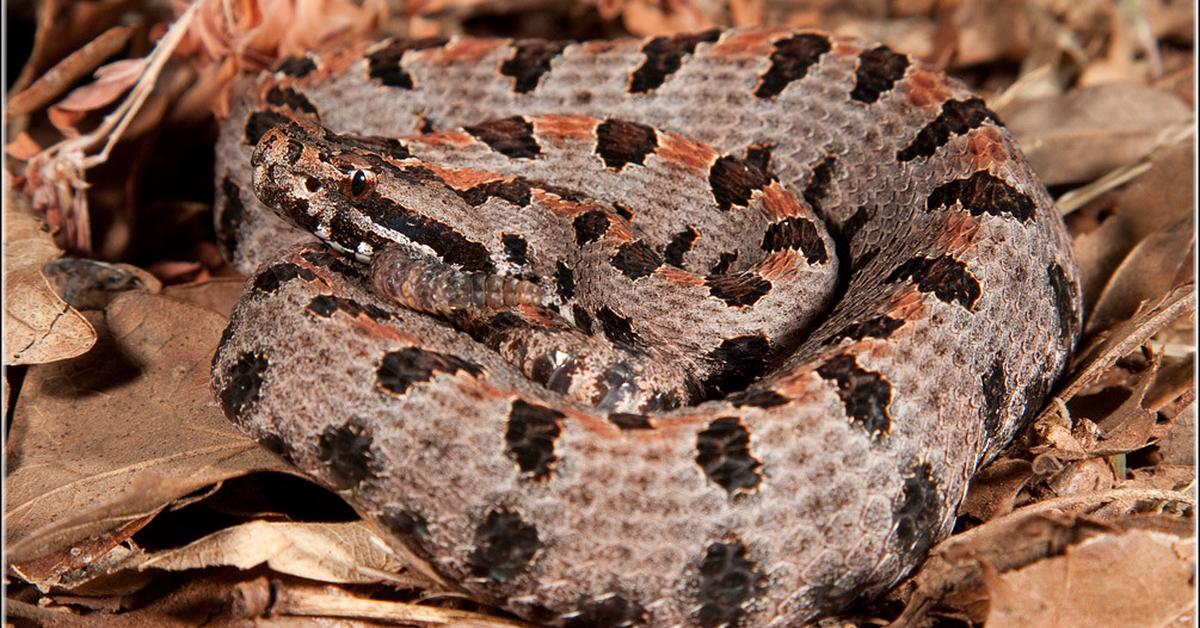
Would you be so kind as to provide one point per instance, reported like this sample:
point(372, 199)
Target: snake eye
point(361, 182)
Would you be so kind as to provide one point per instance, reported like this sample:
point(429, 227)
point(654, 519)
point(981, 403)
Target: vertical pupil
point(358, 183)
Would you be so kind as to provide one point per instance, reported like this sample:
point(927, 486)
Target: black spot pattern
point(583, 320)
point(298, 67)
point(622, 210)
point(947, 278)
point(957, 117)
point(346, 452)
point(383, 65)
point(636, 260)
point(529, 62)
point(530, 436)
point(411, 528)
point(325, 305)
point(607, 611)
point(664, 55)
point(878, 70)
point(790, 62)
point(452, 246)
point(324, 259)
point(723, 451)
point(260, 122)
point(728, 579)
point(514, 191)
point(271, 277)
point(630, 421)
point(797, 234)
point(401, 369)
point(865, 394)
point(504, 546)
point(290, 98)
point(995, 396)
point(564, 278)
point(516, 249)
point(393, 148)
point(740, 290)
point(590, 226)
point(680, 244)
point(916, 514)
point(1063, 290)
point(757, 398)
point(818, 182)
point(619, 142)
point(243, 385)
point(738, 361)
point(511, 137)
point(875, 327)
point(617, 329)
point(982, 193)
point(724, 263)
point(232, 215)
point(759, 156)
point(733, 180)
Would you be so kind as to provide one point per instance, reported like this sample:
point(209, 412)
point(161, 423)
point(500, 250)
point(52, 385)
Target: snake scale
point(708, 329)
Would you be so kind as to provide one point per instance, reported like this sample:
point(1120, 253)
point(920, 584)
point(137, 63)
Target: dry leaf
point(326, 552)
point(994, 489)
point(40, 326)
point(1150, 203)
point(112, 437)
point(1155, 266)
point(1155, 586)
point(65, 72)
point(1088, 132)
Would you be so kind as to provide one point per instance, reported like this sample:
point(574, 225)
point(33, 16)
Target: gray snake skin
point(699, 330)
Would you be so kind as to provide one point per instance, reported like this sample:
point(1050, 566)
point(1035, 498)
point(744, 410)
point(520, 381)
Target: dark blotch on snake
point(740, 290)
point(878, 70)
point(530, 435)
point(916, 513)
point(728, 579)
point(723, 452)
point(864, 394)
point(610, 611)
point(664, 55)
point(243, 384)
point(636, 260)
point(590, 226)
point(298, 67)
point(630, 421)
point(790, 62)
point(619, 143)
point(733, 180)
point(957, 117)
point(511, 137)
point(531, 59)
point(290, 98)
point(981, 193)
point(504, 546)
point(383, 65)
point(411, 528)
point(947, 278)
point(995, 396)
point(516, 249)
point(737, 362)
point(401, 369)
point(564, 279)
point(346, 452)
point(272, 277)
point(797, 234)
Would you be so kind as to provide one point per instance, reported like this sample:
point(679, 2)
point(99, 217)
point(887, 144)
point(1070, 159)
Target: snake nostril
point(312, 184)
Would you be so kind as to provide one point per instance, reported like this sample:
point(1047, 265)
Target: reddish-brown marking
point(450, 139)
point(336, 63)
point(685, 152)
point(987, 148)
point(754, 43)
point(779, 203)
point(560, 206)
point(959, 234)
point(846, 48)
point(466, 50)
point(602, 46)
point(777, 265)
point(463, 178)
point(565, 127)
point(679, 277)
point(906, 304)
point(926, 88)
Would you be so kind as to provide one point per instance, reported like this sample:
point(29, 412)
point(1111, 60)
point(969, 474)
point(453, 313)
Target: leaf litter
point(115, 444)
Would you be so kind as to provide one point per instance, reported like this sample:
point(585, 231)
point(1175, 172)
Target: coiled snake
point(709, 329)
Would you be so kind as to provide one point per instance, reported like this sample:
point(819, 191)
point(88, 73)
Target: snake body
point(709, 329)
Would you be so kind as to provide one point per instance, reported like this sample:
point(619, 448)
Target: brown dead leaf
point(1087, 132)
point(88, 284)
point(954, 572)
point(1154, 587)
point(994, 489)
point(40, 326)
point(325, 552)
point(1156, 265)
point(112, 80)
point(215, 295)
point(114, 436)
